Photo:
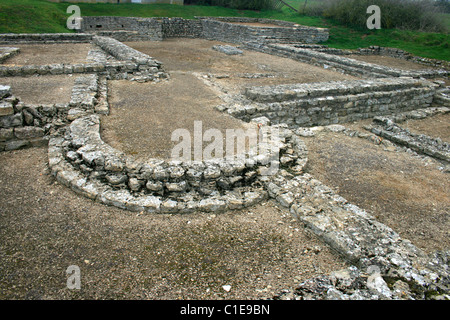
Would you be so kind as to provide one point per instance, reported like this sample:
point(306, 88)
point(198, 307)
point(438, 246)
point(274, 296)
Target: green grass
point(39, 16)
point(31, 16)
point(425, 44)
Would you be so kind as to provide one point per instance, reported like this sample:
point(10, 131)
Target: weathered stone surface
point(228, 50)
point(154, 186)
point(15, 120)
point(6, 108)
point(28, 132)
point(116, 179)
point(211, 205)
point(117, 198)
point(135, 184)
point(433, 147)
point(6, 134)
point(28, 117)
point(5, 91)
point(16, 144)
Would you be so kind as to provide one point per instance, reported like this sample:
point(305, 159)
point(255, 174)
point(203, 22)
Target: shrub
point(401, 14)
point(236, 4)
point(443, 5)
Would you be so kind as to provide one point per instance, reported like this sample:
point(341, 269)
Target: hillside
point(40, 16)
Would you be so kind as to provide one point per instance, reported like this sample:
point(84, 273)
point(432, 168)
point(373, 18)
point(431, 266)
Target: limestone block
point(5, 91)
point(6, 108)
point(26, 133)
point(9, 121)
point(6, 134)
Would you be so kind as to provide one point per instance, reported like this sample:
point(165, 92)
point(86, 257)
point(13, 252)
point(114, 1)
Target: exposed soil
point(48, 89)
point(197, 55)
point(144, 115)
point(45, 228)
point(400, 190)
point(390, 62)
point(436, 127)
point(42, 54)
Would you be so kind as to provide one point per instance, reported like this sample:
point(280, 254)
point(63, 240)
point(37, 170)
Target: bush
point(443, 5)
point(401, 14)
point(236, 4)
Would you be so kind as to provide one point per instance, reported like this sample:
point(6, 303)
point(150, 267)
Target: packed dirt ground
point(41, 54)
point(408, 193)
point(142, 117)
point(49, 89)
point(437, 126)
point(390, 62)
point(234, 72)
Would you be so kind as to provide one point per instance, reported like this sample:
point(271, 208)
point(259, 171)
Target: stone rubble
point(228, 50)
point(433, 147)
point(381, 260)
point(23, 125)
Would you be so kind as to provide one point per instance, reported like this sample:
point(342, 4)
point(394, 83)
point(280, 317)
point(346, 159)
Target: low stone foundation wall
point(423, 144)
point(123, 52)
point(401, 54)
point(133, 64)
point(45, 38)
point(50, 69)
point(380, 51)
point(147, 28)
point(327, 103)
point(216, 29)
point(377, 253)
point(23, 125)
point(26, 125)
point(341, 63)
point(221, 29)
point(8, 52)
point(127, 63)
point(442, 97)
point(181, 28)
point(82, 161)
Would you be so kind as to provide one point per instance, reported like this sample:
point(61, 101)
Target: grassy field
point(38, 16)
